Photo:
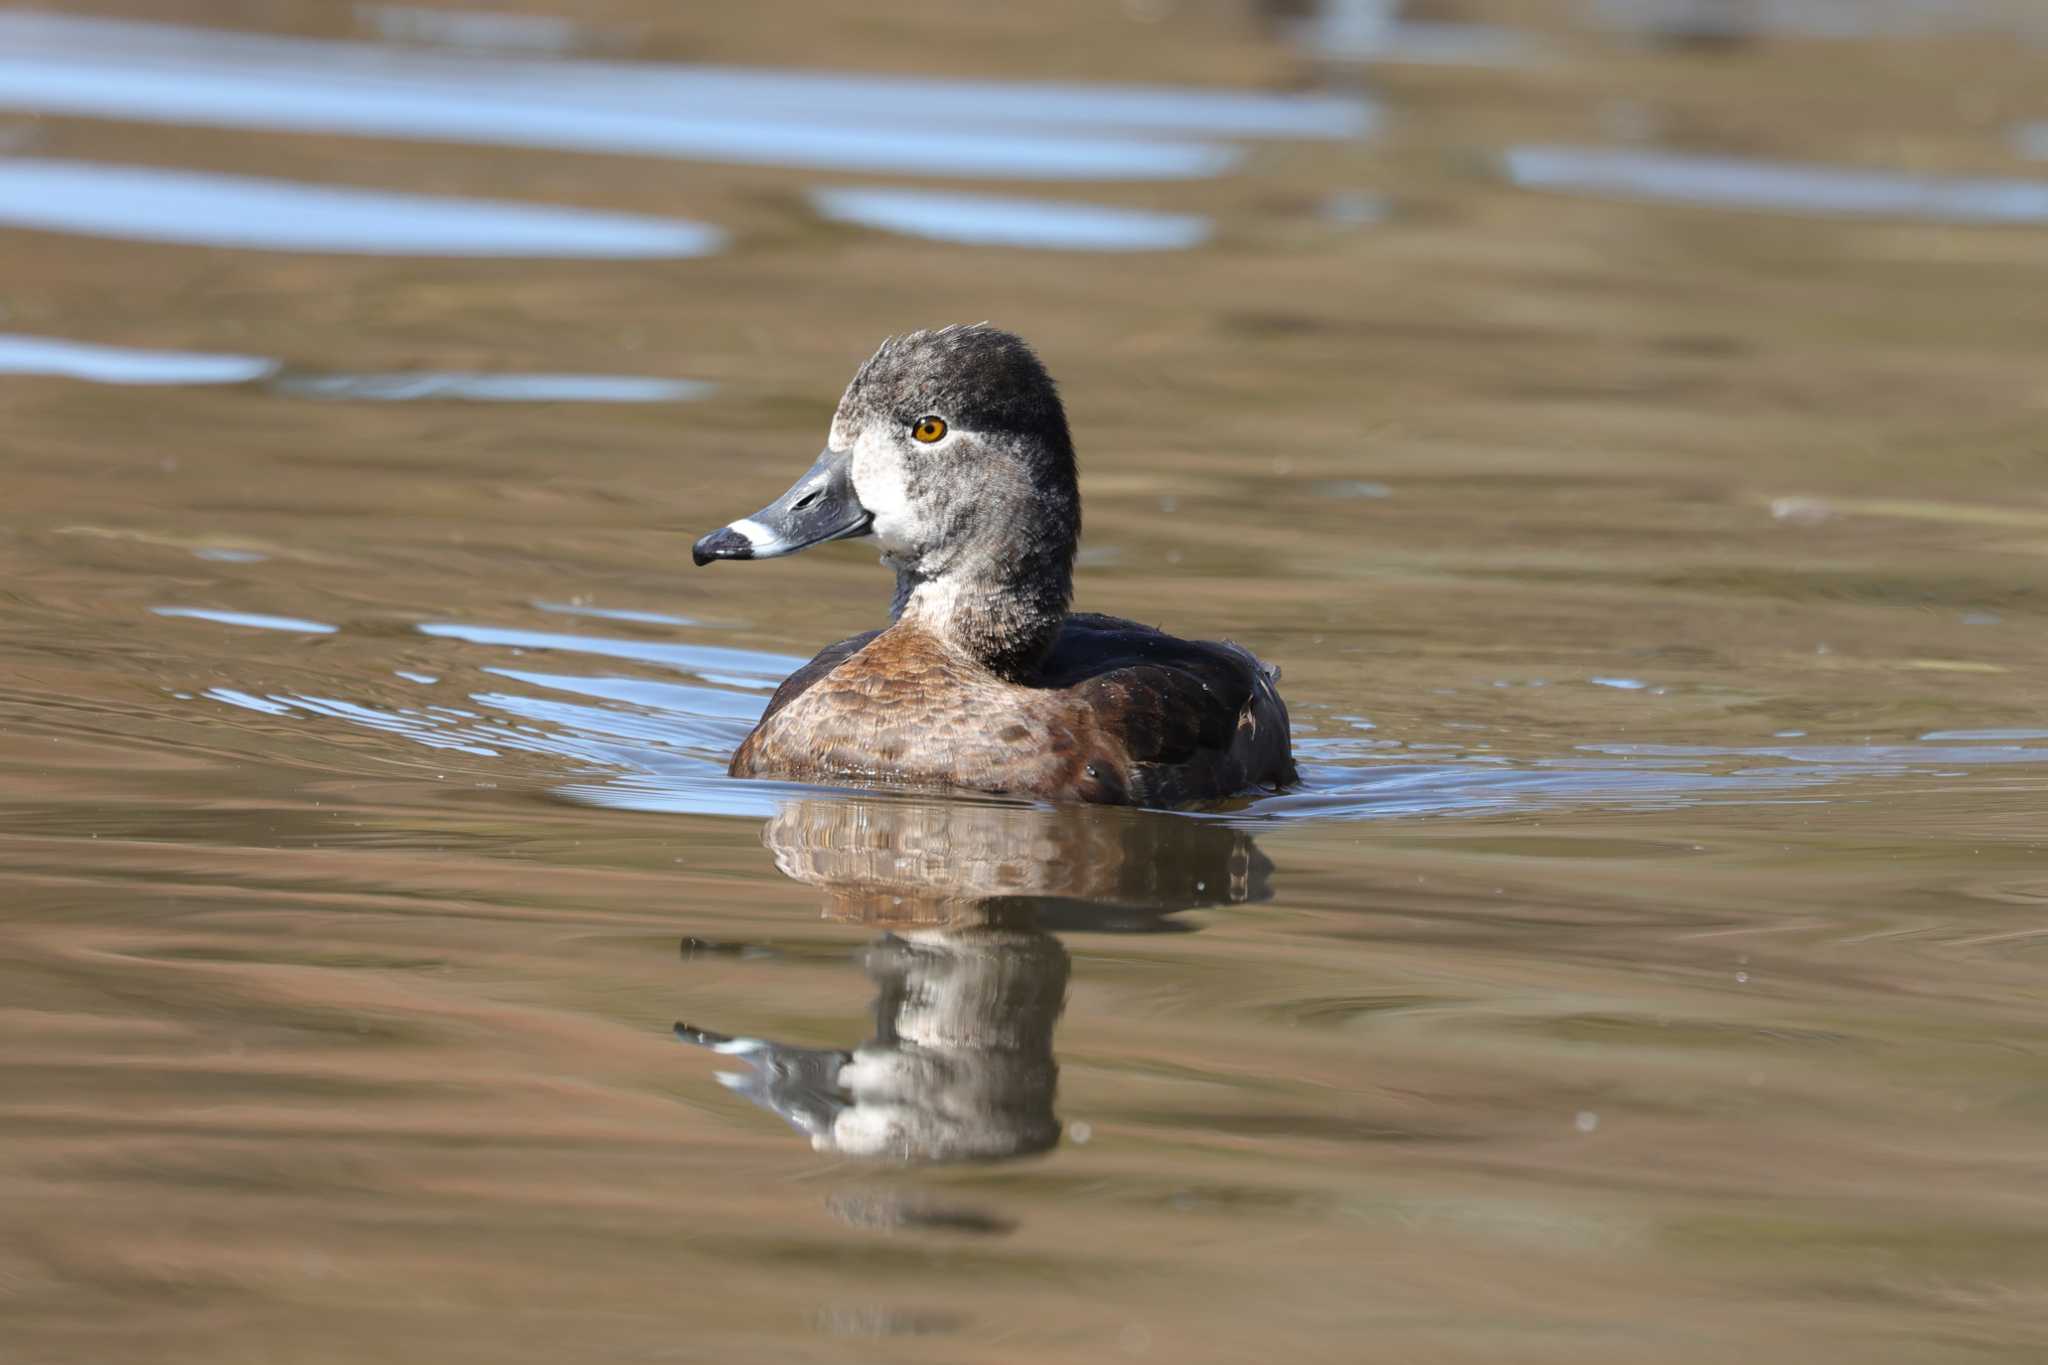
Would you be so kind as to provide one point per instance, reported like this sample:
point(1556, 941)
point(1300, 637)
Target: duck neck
point(1003, 611)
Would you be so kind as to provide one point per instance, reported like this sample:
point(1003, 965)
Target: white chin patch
point(765, 542)
point(879, 484)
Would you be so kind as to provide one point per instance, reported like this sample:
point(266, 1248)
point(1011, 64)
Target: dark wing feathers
point(1194, 719)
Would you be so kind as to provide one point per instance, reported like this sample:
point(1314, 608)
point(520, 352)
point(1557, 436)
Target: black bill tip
point(724, 543)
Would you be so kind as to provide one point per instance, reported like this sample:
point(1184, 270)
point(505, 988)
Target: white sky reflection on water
point(1001, 220)
point(191, 208)
point(767, 669)
point(1840, 19)
point(645, 618)
point(1373, 31)
point(55, 64)
point(252, 620)
point(1776, 186)
point(57, 357)
point(664, 745)
point(21, 354)
point(400, 386)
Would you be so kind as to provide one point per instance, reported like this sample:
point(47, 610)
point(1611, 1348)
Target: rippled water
point(808, 120)
point(1649, 966)
point(1730, 182)
point(138, 203)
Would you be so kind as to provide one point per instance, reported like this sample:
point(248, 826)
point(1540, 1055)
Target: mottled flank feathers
point(1121, 714)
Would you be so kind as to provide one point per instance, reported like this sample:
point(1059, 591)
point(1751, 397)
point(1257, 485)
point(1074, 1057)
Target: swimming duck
point(950, 448)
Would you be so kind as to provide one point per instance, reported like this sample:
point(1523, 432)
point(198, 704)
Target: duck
point(950, 450)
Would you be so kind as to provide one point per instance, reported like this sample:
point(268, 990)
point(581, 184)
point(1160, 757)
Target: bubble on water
point(1800, 511)
point(1354, 488)
point(1586, 1121)
point(1742, 978)
point(1354, 208)
point(1080, 1133)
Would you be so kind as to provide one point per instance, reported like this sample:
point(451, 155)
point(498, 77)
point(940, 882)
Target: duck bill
point(820, 506)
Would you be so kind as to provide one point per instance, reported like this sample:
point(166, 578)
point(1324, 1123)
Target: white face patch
point(765, 542)
point(880, 482)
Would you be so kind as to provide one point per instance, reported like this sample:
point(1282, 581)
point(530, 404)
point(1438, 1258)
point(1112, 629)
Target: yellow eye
point(929, 429)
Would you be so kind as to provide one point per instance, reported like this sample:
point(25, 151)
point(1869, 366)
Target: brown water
point(1650, 968)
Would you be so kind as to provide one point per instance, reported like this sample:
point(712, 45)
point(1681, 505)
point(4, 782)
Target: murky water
point(1622, 423)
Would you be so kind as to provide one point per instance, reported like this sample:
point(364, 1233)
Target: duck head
point(950, 448)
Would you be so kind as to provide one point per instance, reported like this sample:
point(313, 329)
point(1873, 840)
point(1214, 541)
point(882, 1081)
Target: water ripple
point(52, 64)
point(1781, 186)
point(662, 746)
point(1003, 220)
point(190, 208)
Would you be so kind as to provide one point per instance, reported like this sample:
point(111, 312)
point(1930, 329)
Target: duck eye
point(928, 429)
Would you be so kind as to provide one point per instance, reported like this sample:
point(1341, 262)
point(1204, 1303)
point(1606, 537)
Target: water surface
point(998, 220)
point(1649, 967)
point(1734, 182)
point(146, 204)
point(53, 64)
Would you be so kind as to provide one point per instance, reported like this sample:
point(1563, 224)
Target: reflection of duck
point(951, 449)
point(969, 985)
point(960, 1067)
point(888, 862)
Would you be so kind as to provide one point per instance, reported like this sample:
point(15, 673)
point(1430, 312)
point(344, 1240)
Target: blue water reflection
point(1780, 186)
point(1002, 220)
point(191, 208)
point(56, 357)
point(21, 354)
point(418, 385)
point(1374, 31)
point(761, 669)
point(54, 64)
point(660, 745)
point(250, 620)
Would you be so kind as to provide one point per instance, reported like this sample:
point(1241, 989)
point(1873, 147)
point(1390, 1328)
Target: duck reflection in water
point(970, 979)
